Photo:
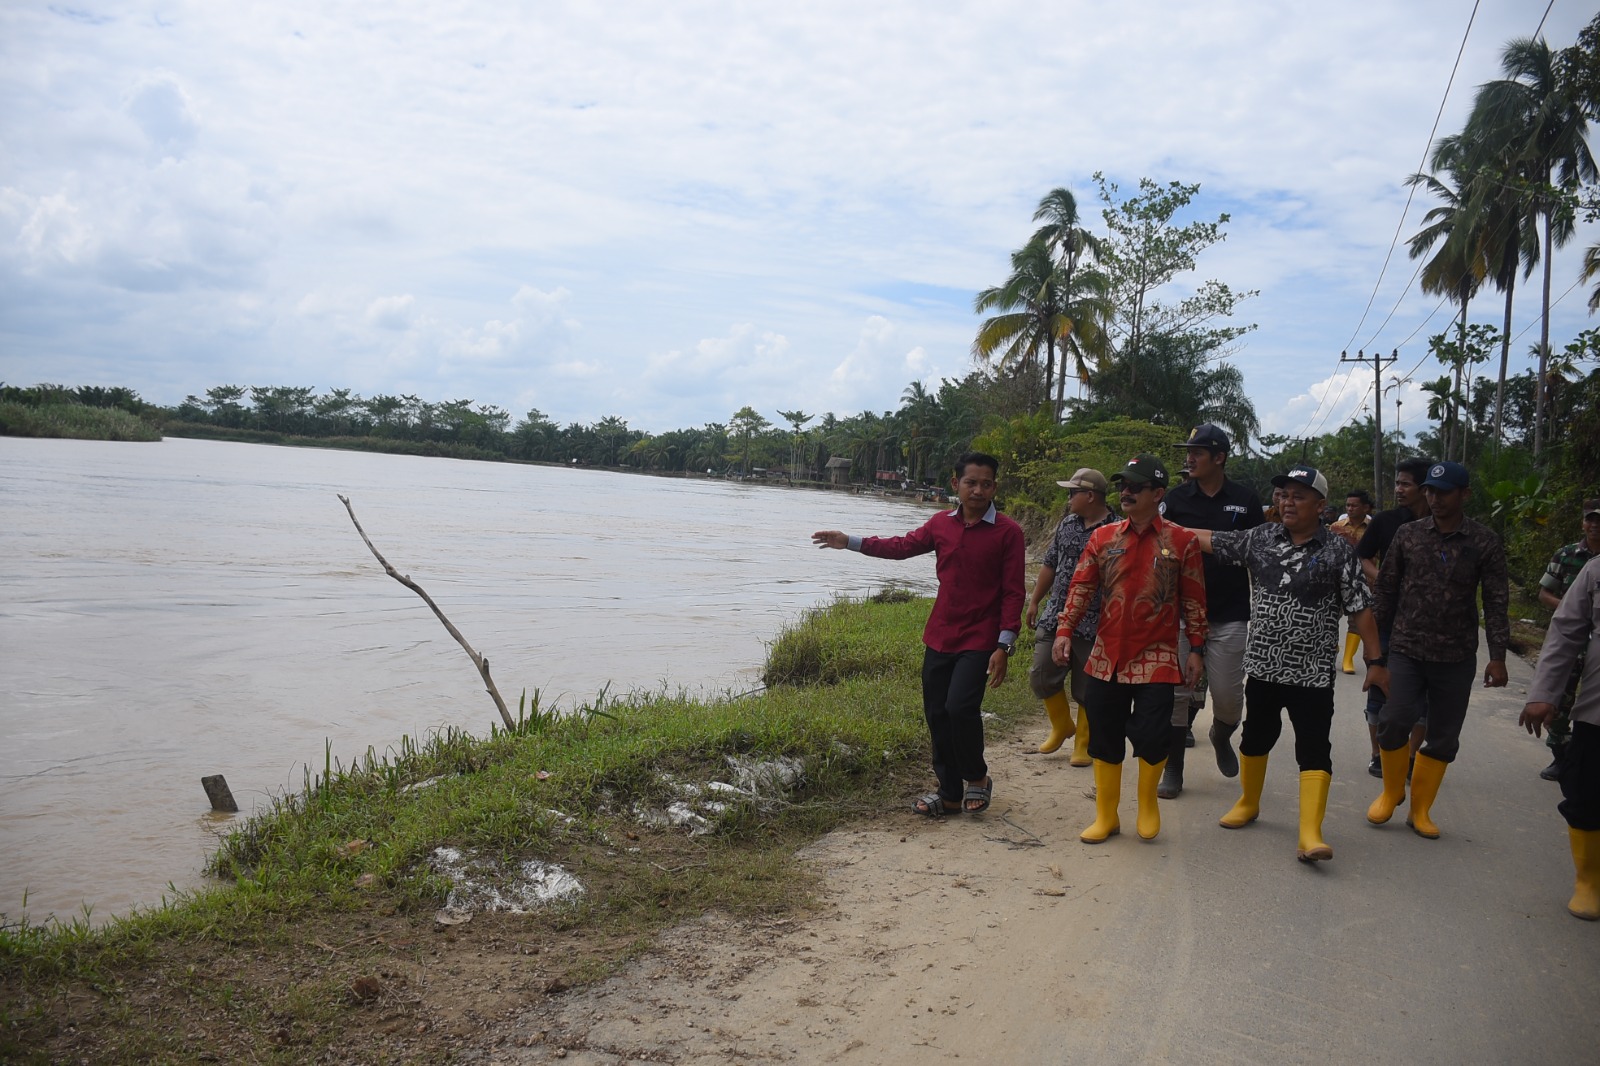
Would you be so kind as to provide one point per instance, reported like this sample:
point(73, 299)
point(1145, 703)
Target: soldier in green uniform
point(1553, 584)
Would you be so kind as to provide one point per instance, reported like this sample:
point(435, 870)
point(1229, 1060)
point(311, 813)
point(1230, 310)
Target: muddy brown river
point(187, 608)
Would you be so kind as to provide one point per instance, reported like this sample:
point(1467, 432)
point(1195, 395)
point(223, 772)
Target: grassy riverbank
point(74, 421)
point(326, 936)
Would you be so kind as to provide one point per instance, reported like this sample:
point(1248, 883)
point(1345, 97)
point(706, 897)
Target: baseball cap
point(1591, 506)
point(1206, 435)
point(1086, 478)
point(1309, 476)
point(1447, 476)
point(1143, 468)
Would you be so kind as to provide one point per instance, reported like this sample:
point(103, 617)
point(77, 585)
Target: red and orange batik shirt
point(1147, 581)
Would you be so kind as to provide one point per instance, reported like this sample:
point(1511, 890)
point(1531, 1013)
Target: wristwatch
point(1382, 660)
point(1009, 649)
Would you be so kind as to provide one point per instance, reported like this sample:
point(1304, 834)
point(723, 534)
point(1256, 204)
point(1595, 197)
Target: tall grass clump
point(74, 421)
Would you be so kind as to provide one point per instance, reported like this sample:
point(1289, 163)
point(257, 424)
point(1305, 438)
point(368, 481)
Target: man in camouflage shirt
point(1427, 593)
point(1553, 585)
point(1086, 512)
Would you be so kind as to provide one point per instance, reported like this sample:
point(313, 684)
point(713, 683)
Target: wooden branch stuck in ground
point(479, 661)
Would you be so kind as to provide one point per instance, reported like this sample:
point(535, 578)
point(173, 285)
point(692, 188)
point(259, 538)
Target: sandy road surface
point(959, 941)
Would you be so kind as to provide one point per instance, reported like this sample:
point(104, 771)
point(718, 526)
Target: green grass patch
point(74, 421)
point(320, 937)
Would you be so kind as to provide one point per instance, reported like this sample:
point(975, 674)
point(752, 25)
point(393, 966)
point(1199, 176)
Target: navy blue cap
point(1447, 476)
point(1206, 435)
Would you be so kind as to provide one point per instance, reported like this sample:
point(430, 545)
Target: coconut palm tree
point(1066, 239)
point(1042, 311)
point(1534, 127)
point(1460, 264)
point(1504, 223)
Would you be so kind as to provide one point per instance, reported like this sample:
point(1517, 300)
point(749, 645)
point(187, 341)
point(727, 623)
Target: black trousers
point(1120, 712)
point(1310, 712)
point(952, 704)
point(1580, 778)
point(1440, 691)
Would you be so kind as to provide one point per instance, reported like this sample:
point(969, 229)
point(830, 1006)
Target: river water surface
point(187, 608)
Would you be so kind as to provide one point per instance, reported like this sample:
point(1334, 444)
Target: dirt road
point(969, 940)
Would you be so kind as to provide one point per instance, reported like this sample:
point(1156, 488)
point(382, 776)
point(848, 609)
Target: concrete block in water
point(217, 791)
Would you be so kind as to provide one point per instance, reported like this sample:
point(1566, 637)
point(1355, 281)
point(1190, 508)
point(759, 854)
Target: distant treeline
point(914, 444)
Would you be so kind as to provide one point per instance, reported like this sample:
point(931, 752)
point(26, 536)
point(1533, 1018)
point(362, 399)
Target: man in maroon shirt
point(972, 631)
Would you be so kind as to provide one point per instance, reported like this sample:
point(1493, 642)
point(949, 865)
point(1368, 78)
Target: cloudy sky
point(666, 211)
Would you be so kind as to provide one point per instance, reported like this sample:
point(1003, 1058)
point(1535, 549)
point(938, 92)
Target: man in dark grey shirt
point(1427, 594)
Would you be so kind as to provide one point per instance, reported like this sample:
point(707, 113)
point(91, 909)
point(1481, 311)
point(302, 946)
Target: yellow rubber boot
point(1252, 775)
point(1080, 743)
point(1107, 794)
point(1313, 805)
point(1149, 819)
point(1425, 777)
point(1586, 857)
point(1059, 708)
point(1394, 785)
point(1351, 642)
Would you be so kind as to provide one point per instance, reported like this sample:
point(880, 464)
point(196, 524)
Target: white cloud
point(693, 208)
point(391, 312)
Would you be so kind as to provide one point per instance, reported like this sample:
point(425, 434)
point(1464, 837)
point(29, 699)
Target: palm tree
point(1042, 312)
point(1065, 237)
point(1503, 223)
point(1460, 265)
point(1532, 125)
point(1591, 270)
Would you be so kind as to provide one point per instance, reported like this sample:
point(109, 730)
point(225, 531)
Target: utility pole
point(1378, 361)
point(1396, 384)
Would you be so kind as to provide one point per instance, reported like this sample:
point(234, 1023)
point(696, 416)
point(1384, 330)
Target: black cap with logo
point(1143, 469)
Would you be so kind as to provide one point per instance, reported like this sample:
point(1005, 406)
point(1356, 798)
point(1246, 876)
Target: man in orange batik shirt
point(1149, 573)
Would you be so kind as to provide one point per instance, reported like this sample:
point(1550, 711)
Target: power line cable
point(1427, 146)
point(1324, 410)
point(1400, 226)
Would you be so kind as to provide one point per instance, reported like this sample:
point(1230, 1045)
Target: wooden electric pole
point(1378, 361)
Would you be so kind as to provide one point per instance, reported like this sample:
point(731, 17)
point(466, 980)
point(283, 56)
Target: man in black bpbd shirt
point(1211, 500)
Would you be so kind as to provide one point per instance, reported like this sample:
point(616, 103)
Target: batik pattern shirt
point(1427, 592)
point(1298, 593)
point(1351, 531)
point(1066, 547)
point(1147, 580)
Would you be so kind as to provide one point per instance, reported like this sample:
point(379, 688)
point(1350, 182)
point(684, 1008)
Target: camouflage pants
point(1560, 728)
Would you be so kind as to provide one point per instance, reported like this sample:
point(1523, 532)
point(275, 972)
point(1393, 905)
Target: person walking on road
point(1086, 512)
point(1148, 573)
point(1558, 577)
point(1303, 579)
point(1210, 499)
point(1352, 526)
point(972, 631)
point(1410, 505)
point(1574, 639)
point(1427, 594)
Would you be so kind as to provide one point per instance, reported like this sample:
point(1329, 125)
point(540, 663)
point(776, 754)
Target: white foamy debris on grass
point(762, 782)
point(488, 885)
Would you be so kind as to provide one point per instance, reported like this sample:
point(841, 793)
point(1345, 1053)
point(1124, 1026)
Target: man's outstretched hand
point(830, 538)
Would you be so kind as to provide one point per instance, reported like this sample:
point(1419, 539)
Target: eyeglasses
point(1137, 487)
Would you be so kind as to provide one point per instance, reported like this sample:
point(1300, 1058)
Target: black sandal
point(979, 794)
point(931, 805)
